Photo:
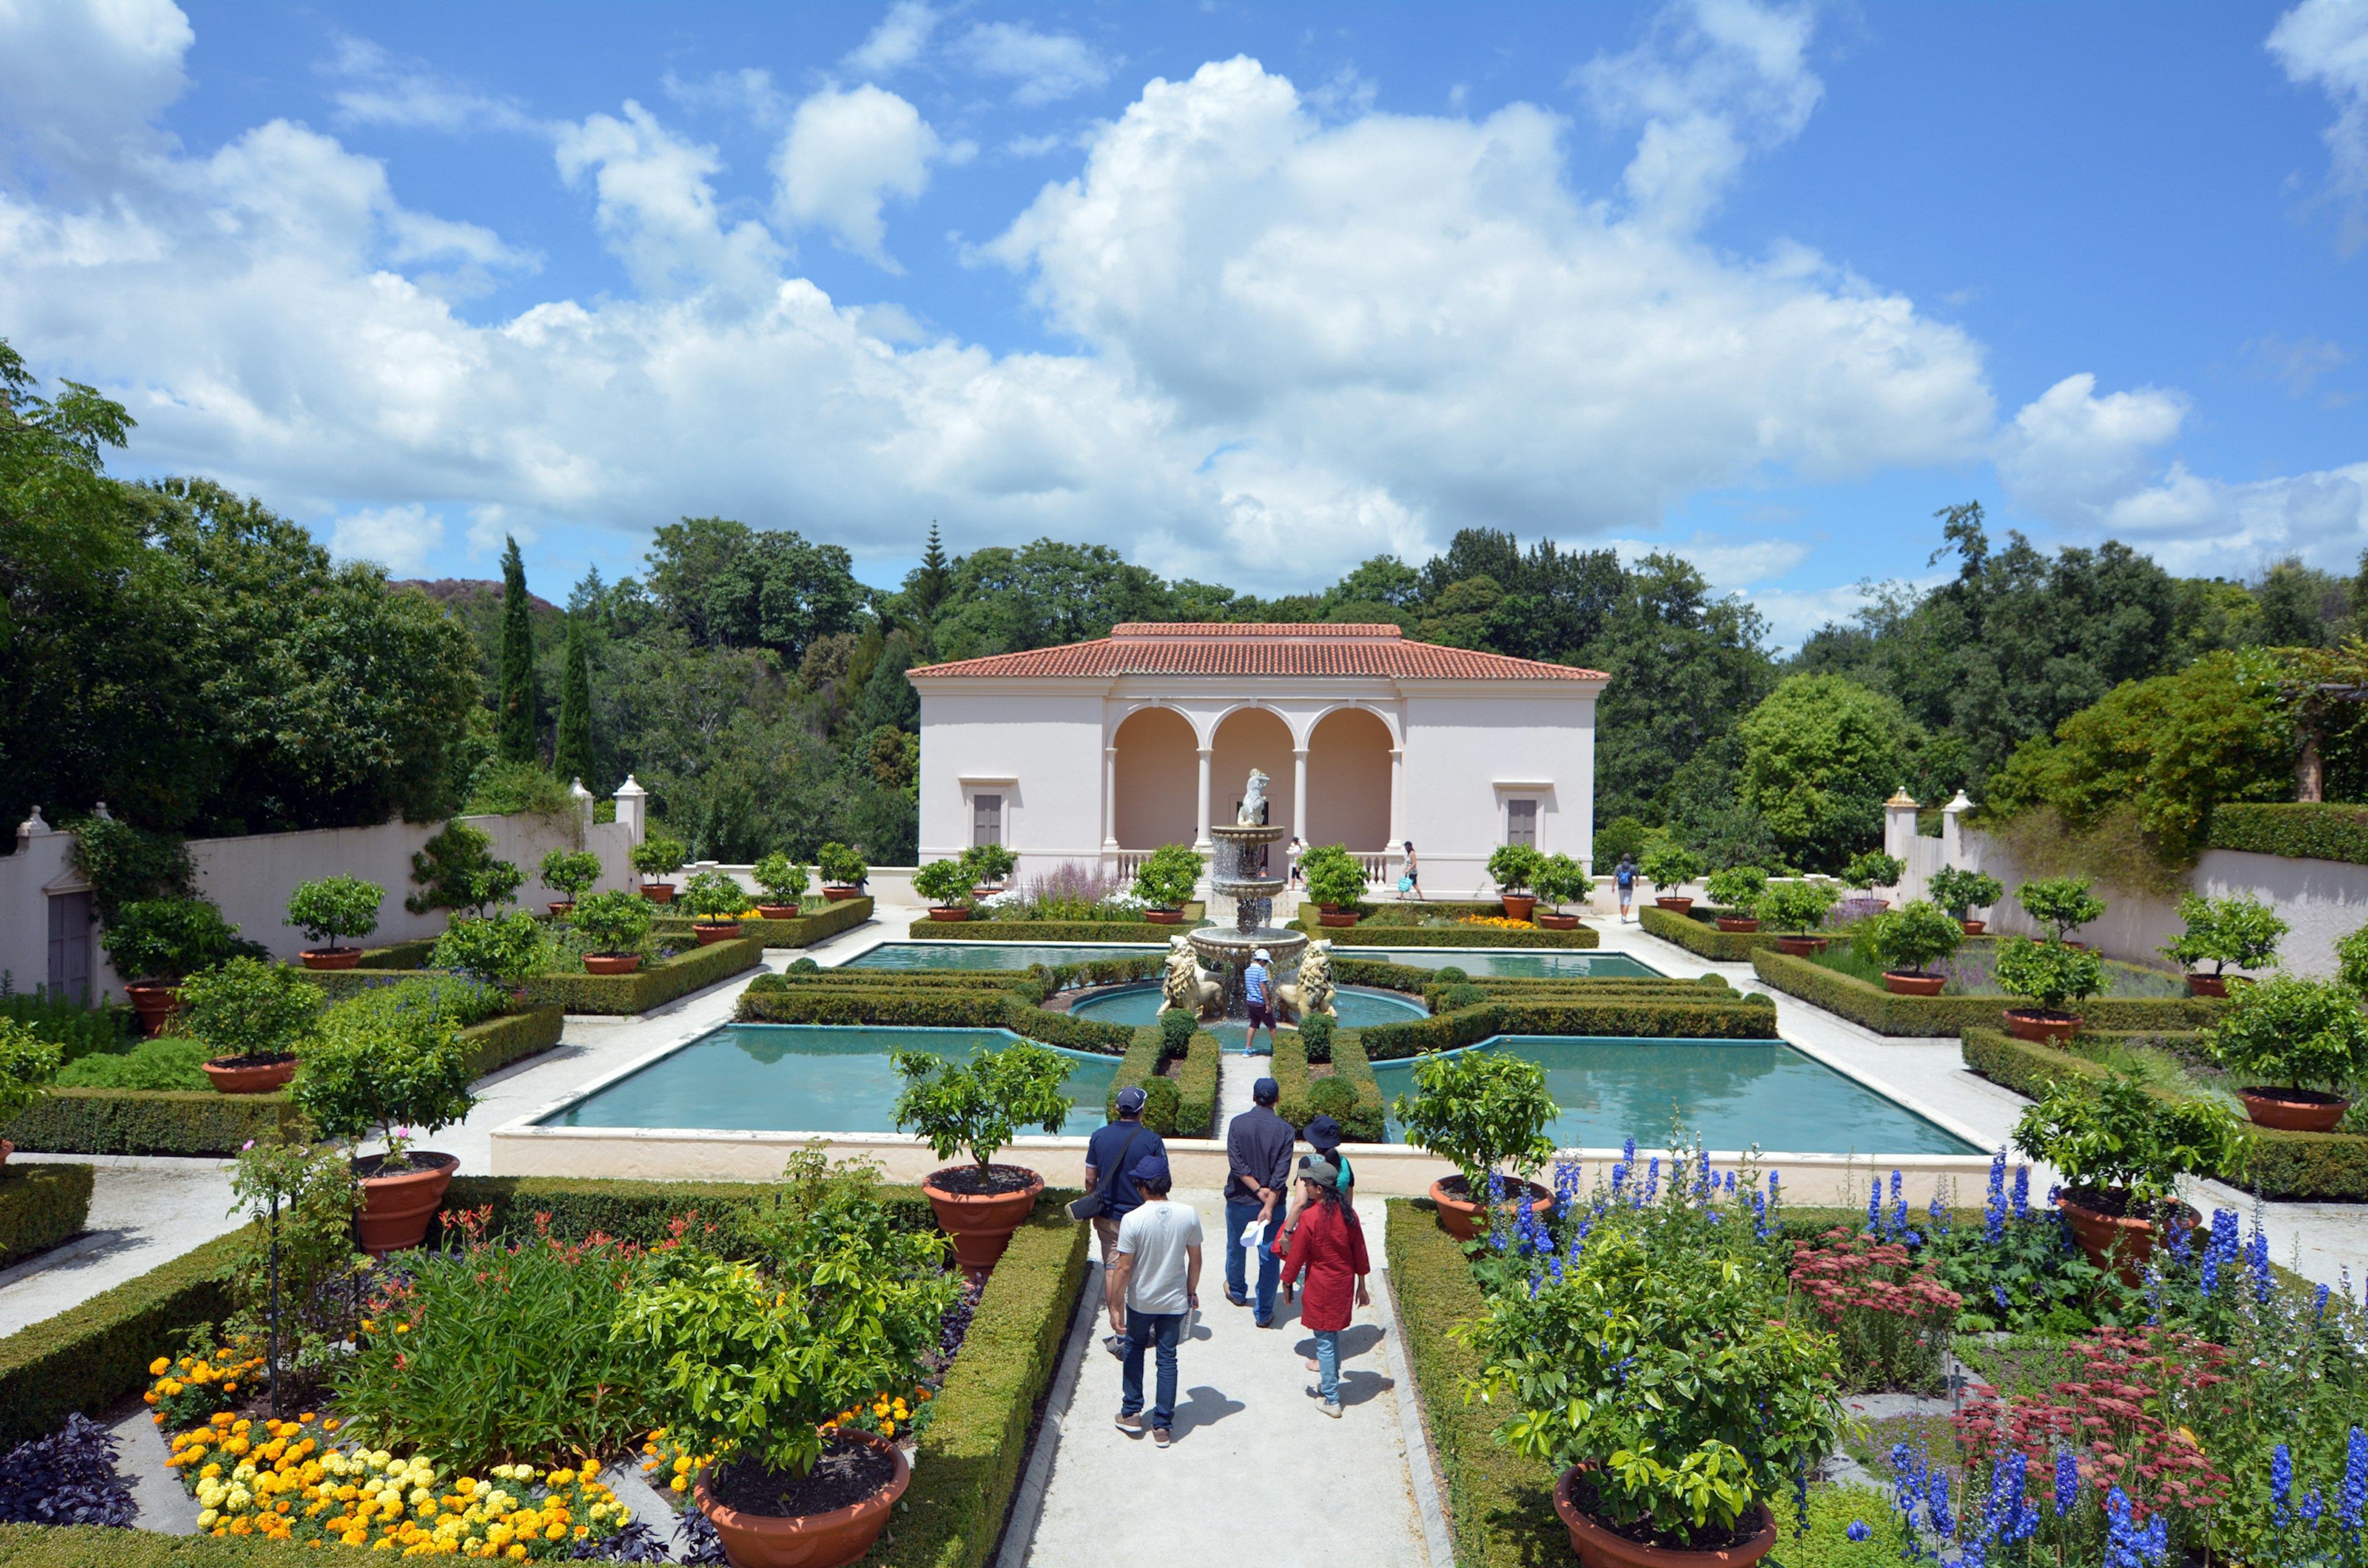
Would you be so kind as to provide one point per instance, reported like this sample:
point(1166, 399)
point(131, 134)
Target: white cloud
point(403, 539)
point(846, 154)
point(82, 85)
point(657, 207)
point(1728, 562)
point(2070, 453)
point(381, 90)
point(896, 42)
point(2324, 43)
point(1046, 66)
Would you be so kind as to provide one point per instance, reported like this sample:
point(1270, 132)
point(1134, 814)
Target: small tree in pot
point(1166, 881)
point(1737, 890)
point(1795, 907)
point(657, 856)
point(2121, 1149)
point(406, 1074)
point(1336, 881)
point(571, 874)
point(1906, 942)
point(255, 1017)
point(1484, 1112)
point(1512, 867)
point(2239, 929)
point(784, 881)
point(946, 884)
point(505, 950)
point(2050, 975)
point(1874, 869)
point(975, 1106)
point(157, 943)
point(456, 870)
point(1961, 893)
point(987, 864)
point(2063, 902)
point(1670, 867)
point(1559, 880)
point(331, 907)
point(615, 924)
point(844, 872)
point(715, 900)
point(28, 1064)
point(2305, 1043)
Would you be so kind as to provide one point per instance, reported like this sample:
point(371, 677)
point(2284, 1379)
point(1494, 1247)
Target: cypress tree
point(927, 588)
point(572, 754)
point(514, 720)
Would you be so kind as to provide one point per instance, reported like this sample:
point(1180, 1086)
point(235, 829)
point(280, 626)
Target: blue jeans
point(1162, 1330)
point(1328, 1363)
point(1240, 1217)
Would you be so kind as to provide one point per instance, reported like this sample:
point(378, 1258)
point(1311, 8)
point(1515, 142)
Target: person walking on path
point(1257, 1155)
point(1155, 1282)
point(1294, 853)
point(1110, 1152)
point(1624, 877)
point(1329, 1249)
point(1324, 1135)
point(1258, 995)
point(1410, 876)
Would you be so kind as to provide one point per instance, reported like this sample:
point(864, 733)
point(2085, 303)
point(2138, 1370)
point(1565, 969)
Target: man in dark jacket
point(1259, 1145)
point(1112, 1151)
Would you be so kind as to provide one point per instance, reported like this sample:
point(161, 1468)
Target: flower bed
point(1877, 1009)
point(1116, 933)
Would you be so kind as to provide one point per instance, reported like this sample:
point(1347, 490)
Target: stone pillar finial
point(1899, 825)
point(632, 808)
point(1953, 829)
point(33, 826)
point(579, 791)
point(100, 812)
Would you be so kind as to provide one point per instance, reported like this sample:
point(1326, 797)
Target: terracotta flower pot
point(6, 1148)
point(2042, 1029)
point(154, 1004)
point(1913, 984)
point(611, 963)
point(2207, 985)
point(2294, 1111)
point(956, 912)
point(396, 1208)
point(838, 892)
point(1674, 905)
point(1598, 1546)
point(1974, 928)
point(561, 908)
point(1343, 918)
point(332, 958)
point(980, 1224)
point(659, 893)
point(1164, 917)
point(1738, 923)
point(711, 932)
point(1466, 1220)
point(229, 1078)
point(984, 892)
point(1553, 922)
point(1519, 905)
point(807, 1540)
point(776, 912)
point(2099, 1234)
point(1802, 946)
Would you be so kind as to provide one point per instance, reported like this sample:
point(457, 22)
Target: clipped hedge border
point(1378, 933)
point(1382, 974)
point(90, 1546)
point(41, 1205)
point(1024, 983)
point(2298, 830)
point(1752, 1016)
point(395, 954)
point(2322, 1166)
point(1703, 940)
point(1116, 933)
point(1196, 1086)
point(1518, 988)
point(931, 1007)
point(572, 1207)
point(1368, 1123)
point(513, 1037)
point(1850, 997)
point(801, 931)
point(651, 985)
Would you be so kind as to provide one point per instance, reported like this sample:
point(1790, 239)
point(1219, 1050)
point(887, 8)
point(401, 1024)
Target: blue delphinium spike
point(2353, 1498)
point(1858, 1531)
point(2022, 1192)
point(2281, 1481)
point(1874, 1209)
point(2067, 1484)
point(2318, 1306)
point(1653, 1179)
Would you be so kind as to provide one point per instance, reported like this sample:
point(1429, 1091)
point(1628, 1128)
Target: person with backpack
point(1112, 1151)
point(1624, 877)
point(1329, 1249)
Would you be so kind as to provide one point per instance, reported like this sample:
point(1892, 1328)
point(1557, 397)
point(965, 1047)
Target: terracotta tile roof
point(1254, 648)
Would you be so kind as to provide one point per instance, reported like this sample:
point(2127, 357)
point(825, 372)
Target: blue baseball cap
point(1130, 1099)
point(1150, 1170)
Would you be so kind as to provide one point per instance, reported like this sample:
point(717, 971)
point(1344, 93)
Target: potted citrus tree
point(1512, 867)
point(615, 924)
point(1559, 880)
point(1874, 869)
point(1670, 867)
point(2063, 902)
point(947, 885)
point(157, 943)
point(329, 907)
point(1795, 909)
point(27, 1063)
point(404, 1075)
point(255, 1016)
point(1166, 882)
point(975, 1106)
point(2050, 976)
point(1486, 1113)
point(1336, 881)
point(506, 950)
point(1961, 893)
point(715, 901)
point(844, 872)
point(987, 865)
point(2293, 1034)
point(1737, 889)
point(570, 873)
point(657, 856)
point(2123, 1148)
point(1905, 943)
point(784, 883)
point(2239, 929)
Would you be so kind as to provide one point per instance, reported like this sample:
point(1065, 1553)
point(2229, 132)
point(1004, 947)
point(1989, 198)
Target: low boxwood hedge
point(1702, 938)
point(2298, 830)
point(1875, 1008)
point(41, 1205)
point(1366, 1123)
point(930, 1007)
point(2322, 1166)
point(800, 931)
point(651, 985)
point(1195, 1110)
point(395, 954)
point(1380, 973)
point(1117, 933)
point(513, 1037)
point(571, 1208)
point(1387, 934)
point(1748, 1017)
point(1519, 988)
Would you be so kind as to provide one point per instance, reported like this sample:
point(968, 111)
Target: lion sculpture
point(1185, 985)
point(1310, 991)
point(1252, 811)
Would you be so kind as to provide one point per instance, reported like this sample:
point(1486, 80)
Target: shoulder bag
point(1091, 1205)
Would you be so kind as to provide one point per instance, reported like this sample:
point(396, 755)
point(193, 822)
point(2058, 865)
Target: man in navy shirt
point(1110, 1152)
point(1259, 1145)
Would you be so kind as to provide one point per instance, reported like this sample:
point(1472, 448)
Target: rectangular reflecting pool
point(1734, 1094)
point(1524, 963)
point(805, 1078)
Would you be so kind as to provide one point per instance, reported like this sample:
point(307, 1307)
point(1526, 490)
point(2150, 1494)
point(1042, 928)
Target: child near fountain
point(1256, 992)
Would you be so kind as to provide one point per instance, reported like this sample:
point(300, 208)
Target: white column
point(1110, 799)
point(1200, 825)
point(1397, 798)
point(1299, 794)
point(1953, 829)
point(631, 807)
point(1899, 826)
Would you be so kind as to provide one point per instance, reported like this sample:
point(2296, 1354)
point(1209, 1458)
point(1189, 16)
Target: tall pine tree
point(571, 755)
point(515, 720)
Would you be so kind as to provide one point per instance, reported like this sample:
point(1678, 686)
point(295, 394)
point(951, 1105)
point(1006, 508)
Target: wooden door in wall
point(70, 947)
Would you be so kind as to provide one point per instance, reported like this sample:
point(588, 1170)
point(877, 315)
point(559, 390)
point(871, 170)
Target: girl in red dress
point(1329, 1248)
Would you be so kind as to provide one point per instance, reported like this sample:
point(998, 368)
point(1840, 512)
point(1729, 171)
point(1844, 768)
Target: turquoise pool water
point(805, 1078)
point(1536, 963)
point(991, 955)
point(1734, 1092)
point(1137, 1004)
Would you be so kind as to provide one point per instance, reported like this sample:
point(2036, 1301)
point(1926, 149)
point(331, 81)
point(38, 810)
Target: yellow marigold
point(156, 1368)
point(888, 1428)
point(680, 1483)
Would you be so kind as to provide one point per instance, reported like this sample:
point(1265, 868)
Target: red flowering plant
point(1891, 1314)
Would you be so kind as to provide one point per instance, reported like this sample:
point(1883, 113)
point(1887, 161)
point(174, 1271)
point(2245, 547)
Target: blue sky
point(1250, 293)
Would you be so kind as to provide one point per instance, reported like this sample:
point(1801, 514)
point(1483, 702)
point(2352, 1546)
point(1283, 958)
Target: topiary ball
point(1160, 1104)
point(1448, 974)
point(1461, 996)
point(805, 966)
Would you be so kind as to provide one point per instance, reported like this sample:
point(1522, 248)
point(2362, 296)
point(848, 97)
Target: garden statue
point(1310, 991)
point(1252, 811)
point(1185, 985)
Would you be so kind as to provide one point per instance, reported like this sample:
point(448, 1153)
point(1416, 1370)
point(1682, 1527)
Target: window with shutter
point(1521, 823)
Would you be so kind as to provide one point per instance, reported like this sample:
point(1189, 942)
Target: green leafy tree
point(1483, 1111)
point(1819, 754)
point(164, 940)
point(1872, 868)
point(1169, 876)
point(1794, 905)
point(781, 878)
point(988, 862)
point(500, 950)
point(1737, 887)
point(1962, 892)
point(975, 1106)
point(2239, 929)
point(1512, 867)
point(2063, 902)
point(1671, 866)
point(1333, 875)
point(2049, 974)
point(945, 883)
point(405, 1072)
point(572, 752)
point(2351, 962)
point(657, 856)
point(250, 1009)
point(457, 869)
point(1559, 880)
point(1908, 940)
point(843, 865)
point(715, 895)
point(570, 873)
point(517, 709)
point(27, 1065)
point(2116, 1136)
point(2294, 1032)
point(614, 922)
point(336, 906)
point(725, 583)
point(1043, 594)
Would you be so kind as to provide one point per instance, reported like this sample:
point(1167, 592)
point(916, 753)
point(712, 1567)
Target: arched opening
point(1348, 780)
point(1158, 780)
point(1251, 737)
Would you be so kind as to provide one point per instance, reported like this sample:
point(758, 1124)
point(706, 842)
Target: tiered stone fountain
point(1235, 879)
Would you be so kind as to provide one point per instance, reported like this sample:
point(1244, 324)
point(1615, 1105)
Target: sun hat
point(1150, 1170)
point(1323, 1173)
point(1130, 1099)
point(1263, 955)
point(1324, 1134)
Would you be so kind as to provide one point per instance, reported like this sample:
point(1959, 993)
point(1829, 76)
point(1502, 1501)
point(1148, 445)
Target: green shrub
point(1873, 1007)
point(930, 1007)
point(842, 867)
point(570, 873)
point(73, 1028)
point(1482, 1111)
point(168, 1061)
point(614, 921)
point(1739, 887)
point(29, 1065)
point(714, 896)
point(1962, 892)
point(402, 1074)
point(1871, 869)
point(1701, 937)
point(1115, 933)
point(1177, 1027)
point(1512, 867)
point(249, 1008)
point(2049, 974)
point(125, 864)
point(1169, 876)
point(1334, 1097)
point(1333, 875)
point(41, 1205)
point(2063, 902)
point(2302, 832)
point(1710, 1018)
point(657, 857)
point(1909, 940)
point(134, 1122)
point(2239, 930)
point(1316, 1035)
point(166, 939)
point(975, 1106)
point(1672, 865)
point(2111, 1133)
point(653, 985)
point(1365, 1121)
point(988, 862)
point(500, 950)
point(2294, 1032)
point(1161, 1105)
point(945, 883)
point(1798, 905)
point(783, 880)
point(337, 906)
point(1196, 1088)
point(456, 870)
point(1456, 996)
point(1449, 975)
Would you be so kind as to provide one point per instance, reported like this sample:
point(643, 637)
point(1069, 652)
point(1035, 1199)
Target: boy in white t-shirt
point(1155, 1280)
